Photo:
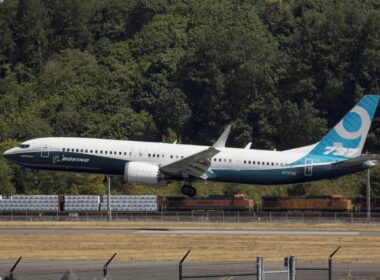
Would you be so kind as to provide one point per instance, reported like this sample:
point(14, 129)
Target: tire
point(188, 190)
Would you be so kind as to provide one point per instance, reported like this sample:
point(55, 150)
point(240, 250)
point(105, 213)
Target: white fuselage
point(236, 165)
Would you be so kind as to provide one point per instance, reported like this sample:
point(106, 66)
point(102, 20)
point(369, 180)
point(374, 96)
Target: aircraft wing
point(194, 165)
point(366, 159)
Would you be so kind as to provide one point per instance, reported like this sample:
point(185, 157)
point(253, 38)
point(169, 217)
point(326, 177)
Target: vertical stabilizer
point(347, 138)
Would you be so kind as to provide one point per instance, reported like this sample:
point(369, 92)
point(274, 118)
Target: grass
point(173, 246)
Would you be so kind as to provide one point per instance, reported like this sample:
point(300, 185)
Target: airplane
point(157, 164)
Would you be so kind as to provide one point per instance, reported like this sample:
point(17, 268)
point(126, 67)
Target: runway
point(10, 230)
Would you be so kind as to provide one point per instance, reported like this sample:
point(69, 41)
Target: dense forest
point(281, 72)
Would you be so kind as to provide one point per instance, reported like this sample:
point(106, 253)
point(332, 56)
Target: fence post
point(260, 268)
point(105, 268)
point(180, 265)
point(330, 262)
point(13, 268)
point(292, 268)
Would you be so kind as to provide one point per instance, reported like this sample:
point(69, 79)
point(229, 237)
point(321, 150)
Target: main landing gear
point(188, 190)
point(36, 180)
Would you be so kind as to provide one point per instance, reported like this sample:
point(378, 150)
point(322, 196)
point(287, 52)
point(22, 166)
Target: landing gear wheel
point(188, 190)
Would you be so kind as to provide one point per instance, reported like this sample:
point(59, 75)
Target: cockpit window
point(24, 146)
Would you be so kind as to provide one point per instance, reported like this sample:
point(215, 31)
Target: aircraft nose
point(8, 154)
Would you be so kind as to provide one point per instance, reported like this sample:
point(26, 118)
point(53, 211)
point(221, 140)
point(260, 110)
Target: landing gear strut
point(188, 190)
point(36, 180)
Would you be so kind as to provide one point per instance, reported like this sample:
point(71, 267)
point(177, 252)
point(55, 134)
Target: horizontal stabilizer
point(369, 160)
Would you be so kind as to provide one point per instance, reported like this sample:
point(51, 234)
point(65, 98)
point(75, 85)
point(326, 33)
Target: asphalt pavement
point(12, 230)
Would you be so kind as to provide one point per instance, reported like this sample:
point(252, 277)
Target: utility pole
point(109, 198)
point(368, 196)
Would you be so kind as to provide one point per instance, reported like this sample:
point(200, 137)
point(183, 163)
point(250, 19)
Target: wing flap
point(194, 165)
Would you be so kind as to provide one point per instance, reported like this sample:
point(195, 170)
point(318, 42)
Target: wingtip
point(221, 142)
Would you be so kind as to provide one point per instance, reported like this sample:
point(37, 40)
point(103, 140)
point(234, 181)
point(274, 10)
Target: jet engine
point(143, 173)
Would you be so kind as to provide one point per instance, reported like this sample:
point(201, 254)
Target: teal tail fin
point(347, 138)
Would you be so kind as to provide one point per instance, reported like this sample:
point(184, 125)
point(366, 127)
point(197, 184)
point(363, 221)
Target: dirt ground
point(130, 246)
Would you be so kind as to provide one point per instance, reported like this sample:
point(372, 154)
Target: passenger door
point(308, 167)
point(45, 150)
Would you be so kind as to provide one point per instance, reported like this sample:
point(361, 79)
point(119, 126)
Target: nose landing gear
point(188, 190)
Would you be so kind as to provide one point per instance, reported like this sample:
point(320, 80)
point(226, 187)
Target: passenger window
point(267, 163)
point(81, 150)
point(230, 160)
point(224, 160)
point(181, 156)
point(214, 159)
point(77, 150)
point(101, 152)
point(253, 162)
point(105, 152)
point(154, 155)
point(96, 151)
point(272, 163)
point(86, 151)
point(171, 156)
point(63, 149)
point(148, 155)
point(245, 162)
point(220, 160)
point(158, 155)
point(91, 151)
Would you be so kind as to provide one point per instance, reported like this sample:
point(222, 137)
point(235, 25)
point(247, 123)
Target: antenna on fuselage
point(248, 146)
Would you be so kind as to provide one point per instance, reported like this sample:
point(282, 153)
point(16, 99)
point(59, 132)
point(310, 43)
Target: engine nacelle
point(143, 173)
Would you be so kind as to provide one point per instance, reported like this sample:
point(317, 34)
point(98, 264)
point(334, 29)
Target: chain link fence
point(258, 269)
point(203, 216)
point(91, 270)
